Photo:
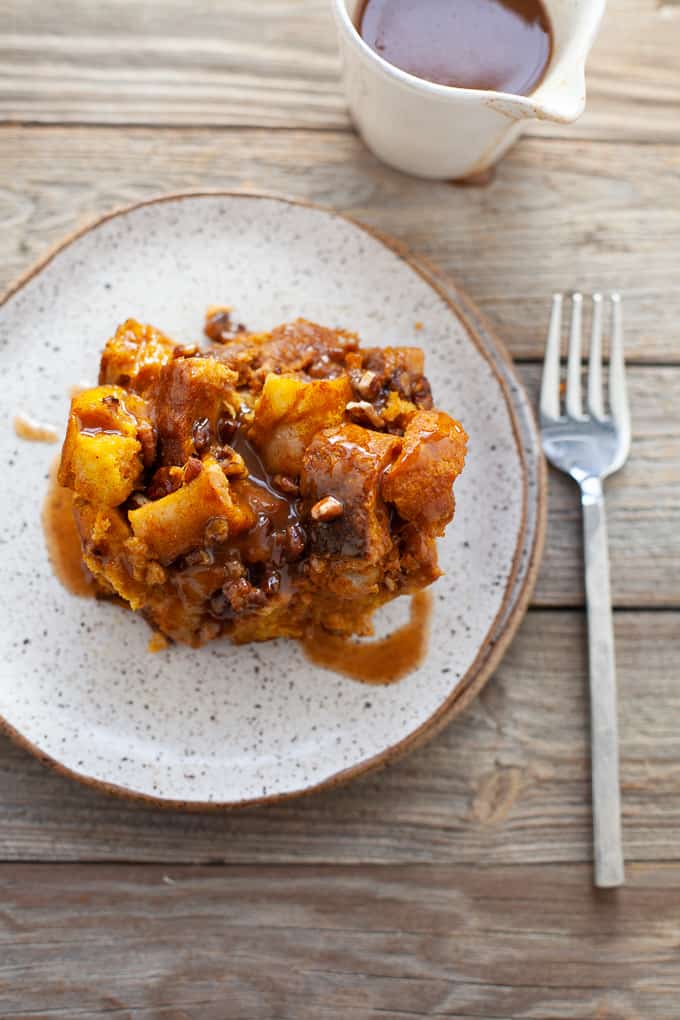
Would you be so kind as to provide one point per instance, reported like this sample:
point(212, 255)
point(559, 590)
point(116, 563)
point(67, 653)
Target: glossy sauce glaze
point(376, 662)
point(259, 562)
point(273, 544)
point(62, 539)
point(495, 45)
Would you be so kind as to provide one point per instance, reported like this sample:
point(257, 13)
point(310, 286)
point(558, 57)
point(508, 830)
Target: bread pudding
point(276, 484)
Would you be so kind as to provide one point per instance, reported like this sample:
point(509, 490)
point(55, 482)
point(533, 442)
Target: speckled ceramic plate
point(225, 725)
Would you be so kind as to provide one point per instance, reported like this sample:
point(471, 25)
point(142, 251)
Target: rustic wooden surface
point(321, 942)
point(456, 883)
point(274, 63)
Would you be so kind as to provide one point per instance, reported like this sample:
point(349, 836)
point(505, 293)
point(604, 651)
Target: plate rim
point(494, 645)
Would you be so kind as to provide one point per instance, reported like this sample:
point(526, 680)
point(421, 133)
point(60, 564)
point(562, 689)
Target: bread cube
point(290, 412)
point(108, 440)
point(134, 356)
point(347, 463)
point(175, 524)
point(105, 535)
point(188, 390)
point(420, 481)
point(102, 468)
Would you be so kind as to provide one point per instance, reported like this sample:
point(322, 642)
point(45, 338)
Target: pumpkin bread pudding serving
point(279, 483)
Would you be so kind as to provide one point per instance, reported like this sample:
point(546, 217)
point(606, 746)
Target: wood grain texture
point(556, 216)
point(509, 782)
point(305, 943)
point(275, 64)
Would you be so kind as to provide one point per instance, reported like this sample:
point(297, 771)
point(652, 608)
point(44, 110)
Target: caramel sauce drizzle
point(62, 538)
point(35, 431)
point(375, 662)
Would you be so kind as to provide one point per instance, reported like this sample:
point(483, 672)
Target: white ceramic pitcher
point(442, 132)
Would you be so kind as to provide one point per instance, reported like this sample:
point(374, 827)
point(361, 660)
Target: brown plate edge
point(510, 614)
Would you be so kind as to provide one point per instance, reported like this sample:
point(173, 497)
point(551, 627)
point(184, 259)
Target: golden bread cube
point(190, 390)
point(109, 408)
point(103, 468)
point(290, 412)
point(420, 481)
point(134, 356)
point(108, 440)
point(106, 536)
point(174, 524)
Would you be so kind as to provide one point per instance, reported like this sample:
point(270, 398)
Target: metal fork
point(590, 446)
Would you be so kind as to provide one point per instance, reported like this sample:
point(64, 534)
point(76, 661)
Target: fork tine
point(550, 383)
point(574, 403)
point(595, 402)
point(618, 394)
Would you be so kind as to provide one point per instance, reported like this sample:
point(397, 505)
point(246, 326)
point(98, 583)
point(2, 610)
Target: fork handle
point(603, 715)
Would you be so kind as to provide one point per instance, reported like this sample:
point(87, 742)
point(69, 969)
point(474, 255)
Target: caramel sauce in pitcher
point(494, 45)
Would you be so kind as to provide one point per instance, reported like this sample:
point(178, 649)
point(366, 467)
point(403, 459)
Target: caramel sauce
point(267, 548)
point(258, 489)
point(494, 45)
point(62, 538)
point(376, 662)
point(35, 431)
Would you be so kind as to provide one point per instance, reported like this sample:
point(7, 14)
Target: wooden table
point(456, 884)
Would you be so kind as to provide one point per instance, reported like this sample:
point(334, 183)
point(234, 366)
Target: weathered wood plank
point(556, 216)
point(303, 943)
point(275, 64)
point(506, 783)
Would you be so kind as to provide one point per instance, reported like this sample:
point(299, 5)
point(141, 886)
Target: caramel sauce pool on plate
point(494, 45)
point(34, 431)
point(62, 538)
point(59, 525)
point(376, 662)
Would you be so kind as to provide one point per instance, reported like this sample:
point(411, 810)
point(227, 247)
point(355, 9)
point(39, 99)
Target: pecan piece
point(422, 393)
point(296, 540)
point(217, 530)
point(368, 385)
point(201, 434)
point(231, 462)
point(227, 428)
point(217, 324)
point(185, 351)
point(219, 327)
point(284, 483)
point(363, 413)
point(327, 509)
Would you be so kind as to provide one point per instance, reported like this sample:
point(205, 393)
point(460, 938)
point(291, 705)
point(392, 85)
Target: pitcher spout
point(563, 102)
point(561, 96)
